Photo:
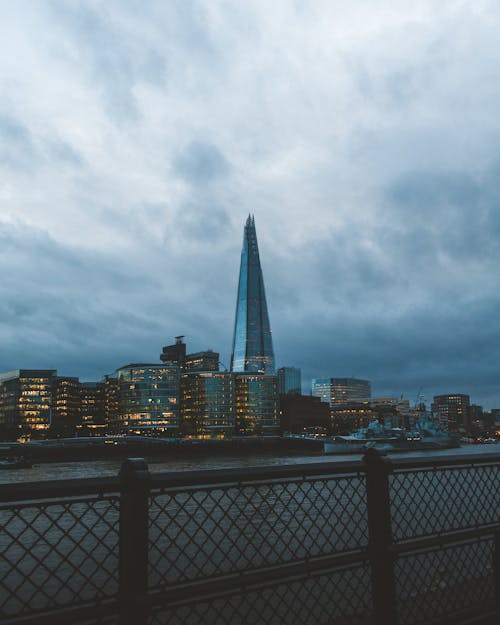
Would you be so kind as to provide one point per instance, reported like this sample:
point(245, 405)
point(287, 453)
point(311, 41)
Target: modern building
point(350, 416)
point(27, 398)
point(256, 404)
point(452, 410)
point(300, 413)
point(202, 361)
point(289, 381)
point(67, 405)
point(208, 404)
point(207, 360)
point(148, 397)
point(337, 391)
point(93, 405)
point(252, 350)
point(175, 353)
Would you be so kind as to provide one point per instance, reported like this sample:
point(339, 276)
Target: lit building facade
point(256, 403)
point(208, 404)
point(27, 398)
point(67, 404)
point(149, 396)
point(337, 391)
point(202, 361)
point(289, 381)
point(93, 405)
point(252, 342)
point(452, 410)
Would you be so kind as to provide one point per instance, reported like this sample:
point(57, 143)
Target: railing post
point(134, 522)
point(496, 571)
point(381, 557)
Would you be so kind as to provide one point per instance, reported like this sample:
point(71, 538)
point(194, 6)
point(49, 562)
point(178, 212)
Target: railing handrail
point(27, 491)
point(136, 489)
point(47, 489)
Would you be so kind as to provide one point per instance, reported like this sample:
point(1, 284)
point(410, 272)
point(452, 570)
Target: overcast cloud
point(136, 137)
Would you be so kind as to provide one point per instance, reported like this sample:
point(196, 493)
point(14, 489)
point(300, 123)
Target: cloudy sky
point(136, 137)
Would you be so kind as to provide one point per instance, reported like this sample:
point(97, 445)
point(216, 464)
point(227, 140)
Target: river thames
point(106, 468)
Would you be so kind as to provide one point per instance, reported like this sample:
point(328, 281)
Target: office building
point(303, 413)
point(207, 360)
point(67, 405)
point(252, 350)
point(202, 361)
point(256, 403)
point(148, 397)
point(337, 391)
point(27, 398)
point(208, 404)
point(452, 410)
point(175, 353)
point(289, 381)
point(93, 405)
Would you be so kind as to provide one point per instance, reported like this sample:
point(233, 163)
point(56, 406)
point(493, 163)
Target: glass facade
point(67, 403)
point(289, 381)
point(256, 400)
point(336, 391)
point(452, 410)
point(148, 396)
point(26, 398)
point(207, 404)
point(252, 341)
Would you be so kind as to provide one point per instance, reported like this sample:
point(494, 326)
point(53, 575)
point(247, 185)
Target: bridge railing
point(389, 542)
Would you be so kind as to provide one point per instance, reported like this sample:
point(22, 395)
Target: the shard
point(252, 341)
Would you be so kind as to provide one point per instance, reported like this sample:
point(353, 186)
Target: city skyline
point(373, 176)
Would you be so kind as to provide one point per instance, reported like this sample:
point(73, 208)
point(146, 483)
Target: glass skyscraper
point(252, 341)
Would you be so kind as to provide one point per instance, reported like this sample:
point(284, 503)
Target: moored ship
point(428, 434)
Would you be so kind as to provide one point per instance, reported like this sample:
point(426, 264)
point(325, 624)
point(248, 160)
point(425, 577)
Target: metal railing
point(403, 542)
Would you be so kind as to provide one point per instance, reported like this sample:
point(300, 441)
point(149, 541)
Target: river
point(105, 468)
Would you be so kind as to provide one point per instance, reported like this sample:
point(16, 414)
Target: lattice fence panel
point(214, 531)
point(434, 584)
point(58, 553)
point(431, 501)
point(340, 597)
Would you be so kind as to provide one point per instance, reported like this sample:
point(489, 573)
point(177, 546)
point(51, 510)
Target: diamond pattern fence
point(341, 597)
point(430, 501)
point(58, 553)
point(253, 548)
point(441, 582)
point(211, 531)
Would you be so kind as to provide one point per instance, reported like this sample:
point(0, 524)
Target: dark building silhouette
point(299, 413)
point(175, 353)
point(252, 342)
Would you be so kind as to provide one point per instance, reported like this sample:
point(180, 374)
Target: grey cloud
point(200, 162)
point(17, 149)
point(63, 152)
point(367, 150)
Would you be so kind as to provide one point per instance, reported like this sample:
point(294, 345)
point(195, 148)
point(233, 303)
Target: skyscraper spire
point(252, 341)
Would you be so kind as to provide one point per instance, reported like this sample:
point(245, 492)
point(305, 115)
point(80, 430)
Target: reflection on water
point(105, 468)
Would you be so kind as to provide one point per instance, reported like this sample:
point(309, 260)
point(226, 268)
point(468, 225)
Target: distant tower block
point(252, 341)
